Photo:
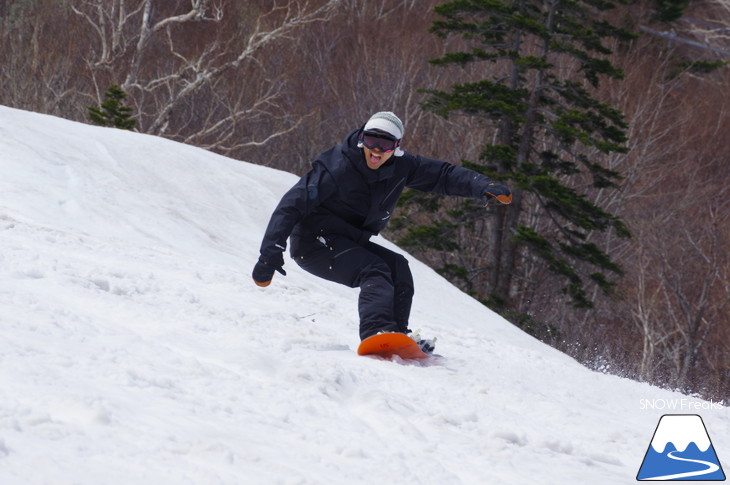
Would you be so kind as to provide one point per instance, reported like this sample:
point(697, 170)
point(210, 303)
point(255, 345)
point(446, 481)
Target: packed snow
point(135, 348)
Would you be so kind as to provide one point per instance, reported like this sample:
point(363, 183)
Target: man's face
point(375, 158)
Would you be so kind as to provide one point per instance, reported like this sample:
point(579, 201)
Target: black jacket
point(342, 196)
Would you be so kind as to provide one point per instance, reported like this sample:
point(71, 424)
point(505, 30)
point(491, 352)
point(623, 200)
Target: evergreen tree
point(670, 10)
point(545, 134)
point(112, 111)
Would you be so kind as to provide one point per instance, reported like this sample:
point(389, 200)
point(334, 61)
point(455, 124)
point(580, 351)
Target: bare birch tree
point(173, 58)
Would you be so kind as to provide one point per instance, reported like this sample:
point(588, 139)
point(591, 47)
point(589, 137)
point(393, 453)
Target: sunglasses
point(382, 141)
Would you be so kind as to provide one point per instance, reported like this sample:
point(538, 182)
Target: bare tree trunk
point(163, 89)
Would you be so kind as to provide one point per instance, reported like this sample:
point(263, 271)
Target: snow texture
point(135, 348)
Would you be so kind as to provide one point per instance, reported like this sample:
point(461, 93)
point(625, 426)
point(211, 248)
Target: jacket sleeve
point(430, 175)
point(299, 201)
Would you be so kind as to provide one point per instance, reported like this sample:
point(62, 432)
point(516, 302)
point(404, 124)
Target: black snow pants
point(383, 276)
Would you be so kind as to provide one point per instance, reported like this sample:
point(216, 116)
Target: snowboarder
point(348, 197)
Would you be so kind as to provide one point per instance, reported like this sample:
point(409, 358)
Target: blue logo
point(681, 450)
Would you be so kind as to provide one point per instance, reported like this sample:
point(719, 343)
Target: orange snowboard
point(389, 344)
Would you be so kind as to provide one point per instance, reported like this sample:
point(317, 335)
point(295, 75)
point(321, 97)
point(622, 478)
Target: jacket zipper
point(392, 191)
point(343, 252)
point(338, 255)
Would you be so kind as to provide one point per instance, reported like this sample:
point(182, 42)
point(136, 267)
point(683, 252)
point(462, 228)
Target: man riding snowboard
point(348, 197)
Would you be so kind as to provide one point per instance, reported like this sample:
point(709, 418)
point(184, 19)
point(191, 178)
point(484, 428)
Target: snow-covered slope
point(134, 347)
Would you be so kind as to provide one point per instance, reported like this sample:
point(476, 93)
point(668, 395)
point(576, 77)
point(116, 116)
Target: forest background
point(277, 82)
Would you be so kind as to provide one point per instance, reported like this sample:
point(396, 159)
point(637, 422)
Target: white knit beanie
point(389, 123)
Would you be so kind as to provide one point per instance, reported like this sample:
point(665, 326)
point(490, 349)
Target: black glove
point(263, 272)
point(497, 191)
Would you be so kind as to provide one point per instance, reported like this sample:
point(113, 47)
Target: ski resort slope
point(135, 348)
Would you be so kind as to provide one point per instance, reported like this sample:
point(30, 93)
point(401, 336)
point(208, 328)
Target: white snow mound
point(135, 348)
